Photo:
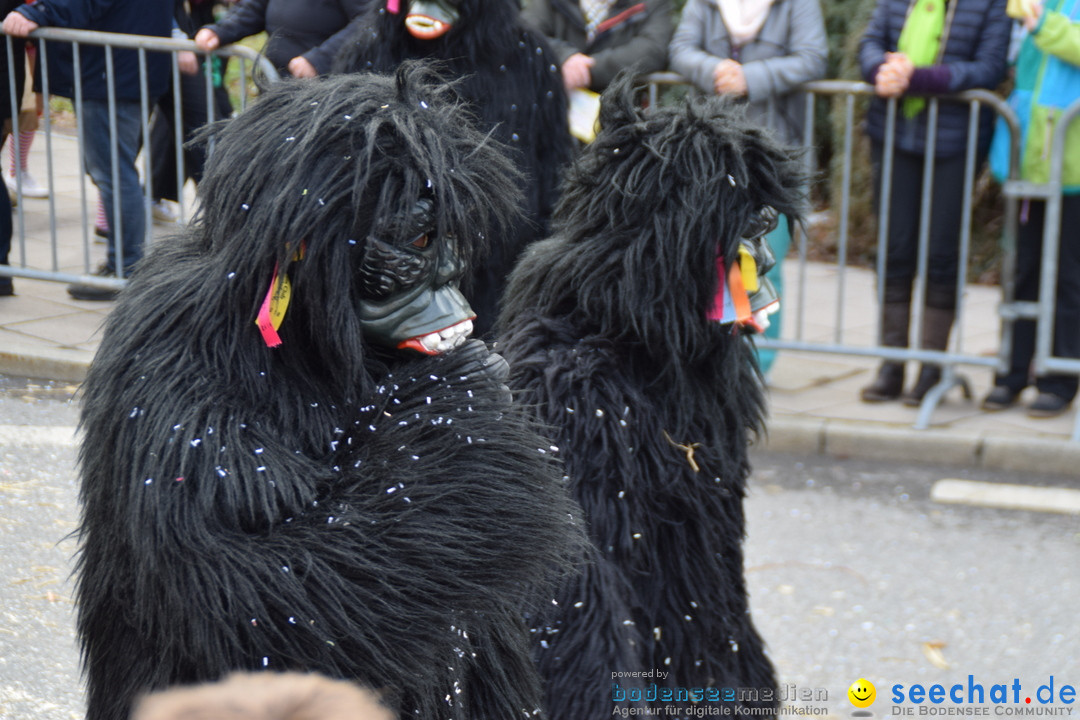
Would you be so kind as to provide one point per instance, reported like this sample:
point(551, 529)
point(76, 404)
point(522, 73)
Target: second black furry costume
point(607, 332)
point(511, 79)
point(301, 495)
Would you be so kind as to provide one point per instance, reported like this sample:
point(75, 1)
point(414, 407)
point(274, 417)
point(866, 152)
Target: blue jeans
point(97, 158)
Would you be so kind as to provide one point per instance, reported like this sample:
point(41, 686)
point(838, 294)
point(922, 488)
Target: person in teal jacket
point(1047, 83)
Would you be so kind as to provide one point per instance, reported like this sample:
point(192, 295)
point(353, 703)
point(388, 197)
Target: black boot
point(887, 385)
point(929, 376)
point(937, 324)
point(6, 285)
point(889, 382)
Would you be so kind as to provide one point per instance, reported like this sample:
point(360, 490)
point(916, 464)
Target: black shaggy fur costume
point(323, 505)
point(511, 79)
point(606, 333)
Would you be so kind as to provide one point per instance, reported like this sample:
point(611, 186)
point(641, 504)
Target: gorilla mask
point(409, 287)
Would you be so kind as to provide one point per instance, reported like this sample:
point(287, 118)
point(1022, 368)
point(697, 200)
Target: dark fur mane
point(325, 164)
point(651, 198)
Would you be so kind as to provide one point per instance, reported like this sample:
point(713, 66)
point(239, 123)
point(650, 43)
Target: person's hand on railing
point(207, 40)
point(18, 25)
point(729, 78)
point(301, 67)
point(894, 75)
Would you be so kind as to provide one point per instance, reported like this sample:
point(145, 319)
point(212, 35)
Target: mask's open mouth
point(441, 341)
point(423, 27)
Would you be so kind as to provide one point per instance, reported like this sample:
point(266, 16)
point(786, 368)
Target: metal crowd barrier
point(796, 302)
point(29, 225)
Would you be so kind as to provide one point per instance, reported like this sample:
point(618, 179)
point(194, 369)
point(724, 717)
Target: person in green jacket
point(1047, 83)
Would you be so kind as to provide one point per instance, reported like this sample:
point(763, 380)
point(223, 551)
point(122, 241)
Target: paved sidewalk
point(813, 396)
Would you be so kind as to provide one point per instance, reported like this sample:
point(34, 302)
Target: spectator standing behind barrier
point(29, 114)
point(194, 113)
point(595, 39)
point(1047, 82)
point(913, 48)
point(138, 17)
point(305, 35)
point(760, 51)
point(7, 287)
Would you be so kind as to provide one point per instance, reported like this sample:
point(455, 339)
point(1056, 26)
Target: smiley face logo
point(862, 693)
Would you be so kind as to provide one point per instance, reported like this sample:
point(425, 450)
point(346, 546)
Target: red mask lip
point(425, 27)
point(440, 341)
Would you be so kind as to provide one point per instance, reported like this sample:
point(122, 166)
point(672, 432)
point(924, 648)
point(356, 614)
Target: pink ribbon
point(266, 326)
point(716, 312)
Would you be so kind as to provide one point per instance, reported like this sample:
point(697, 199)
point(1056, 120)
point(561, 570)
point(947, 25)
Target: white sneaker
point(31, 188)
point(164, 212)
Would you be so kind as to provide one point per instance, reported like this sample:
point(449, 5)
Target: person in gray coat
point(760, 52)
point(768, 51)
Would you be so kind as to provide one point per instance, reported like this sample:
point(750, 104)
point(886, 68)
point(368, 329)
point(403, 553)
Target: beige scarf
point(743, 18)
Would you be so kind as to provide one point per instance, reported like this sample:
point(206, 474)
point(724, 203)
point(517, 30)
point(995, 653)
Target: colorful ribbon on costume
point(272, 311)
point(731, 304)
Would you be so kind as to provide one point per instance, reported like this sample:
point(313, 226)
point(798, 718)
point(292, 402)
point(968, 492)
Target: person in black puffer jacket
point(966, 49)
point(304, 36)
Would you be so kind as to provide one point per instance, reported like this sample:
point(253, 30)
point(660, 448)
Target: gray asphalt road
point(853, 573)
point(38, 509)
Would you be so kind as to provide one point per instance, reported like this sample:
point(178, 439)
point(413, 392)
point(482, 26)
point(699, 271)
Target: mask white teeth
point(448, 339)
point(431, 342)
point(455, 335)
